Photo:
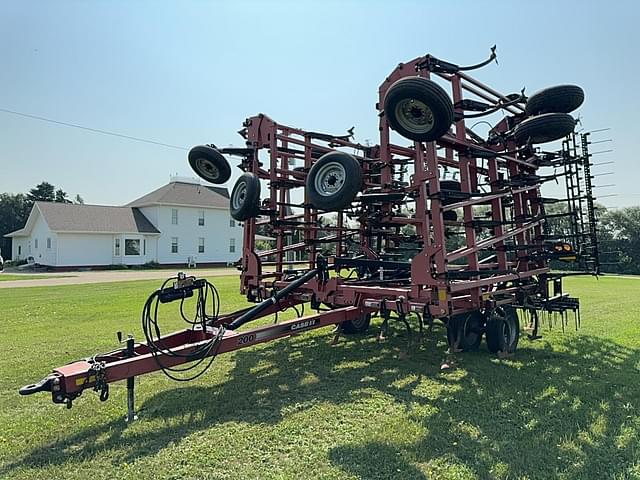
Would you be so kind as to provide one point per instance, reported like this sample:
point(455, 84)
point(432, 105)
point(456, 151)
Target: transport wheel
point(558, 99)
point(245, 197)
point(209, 164)
point(464, 331)
point(503, 330)
point(334, 181)
point(418, 109)
point(544, 128)
point(358, 325)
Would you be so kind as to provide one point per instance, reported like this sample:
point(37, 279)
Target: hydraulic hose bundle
point(207, 310)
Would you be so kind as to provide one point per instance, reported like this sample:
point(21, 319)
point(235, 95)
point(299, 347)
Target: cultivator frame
point(452, 229)
point(432, 283)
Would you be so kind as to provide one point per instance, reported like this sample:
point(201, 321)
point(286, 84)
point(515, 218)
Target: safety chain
point(101, 385)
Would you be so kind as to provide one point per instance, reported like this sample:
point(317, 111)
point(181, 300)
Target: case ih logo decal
point(277, 331)
point(302, 325)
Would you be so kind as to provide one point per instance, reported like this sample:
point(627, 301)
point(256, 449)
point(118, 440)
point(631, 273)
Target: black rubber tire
point(544, 128)
point(466, 328)
point(558, 99)
point(337, 170)
point(245, 197)
point(359, 325)
point(438, 118)
point(503, 330)
point(209, 164)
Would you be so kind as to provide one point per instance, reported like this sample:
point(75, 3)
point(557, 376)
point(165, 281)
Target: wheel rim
point(414, 115)
point(207, 168)
point(330, 179)
point(239, 196)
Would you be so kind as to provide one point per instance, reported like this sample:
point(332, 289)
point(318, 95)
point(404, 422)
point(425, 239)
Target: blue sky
point(187, 73)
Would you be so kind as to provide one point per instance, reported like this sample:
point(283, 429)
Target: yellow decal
point(442, 295)
point(80, 381)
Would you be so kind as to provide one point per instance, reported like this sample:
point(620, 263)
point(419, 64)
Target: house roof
point(18, 233)
point(183, 193)
point(69, 217)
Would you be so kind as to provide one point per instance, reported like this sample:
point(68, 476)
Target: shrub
point(117, 266)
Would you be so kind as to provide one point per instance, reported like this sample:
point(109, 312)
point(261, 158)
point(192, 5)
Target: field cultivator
point(451, 227)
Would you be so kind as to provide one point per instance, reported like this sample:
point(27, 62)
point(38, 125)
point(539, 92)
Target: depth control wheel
point(544, 128)
point(558, 99)
point(334, 181)
point(418, 109)
point(209, 164)
point(245, 197)
point(503, 329)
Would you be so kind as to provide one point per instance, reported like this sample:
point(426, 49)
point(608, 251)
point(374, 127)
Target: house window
point(201, 245)
point(232, 223)
point(49, 243)
point(35, 243)
point(116, 247)
point(19, 249)
point(174, 216)
point(201, 218)
point(131, 246)
point(232, 245)
point(144, 246)
point(174, 244)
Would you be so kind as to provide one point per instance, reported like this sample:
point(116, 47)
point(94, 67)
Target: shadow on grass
point(541, 414)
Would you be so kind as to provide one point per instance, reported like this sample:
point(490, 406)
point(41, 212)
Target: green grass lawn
point(566, 406)
point(6, 277)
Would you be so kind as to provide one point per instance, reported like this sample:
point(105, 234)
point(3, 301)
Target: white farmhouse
point(179, 223)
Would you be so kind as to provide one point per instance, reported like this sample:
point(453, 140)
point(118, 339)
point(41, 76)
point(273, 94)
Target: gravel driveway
point(76, 278)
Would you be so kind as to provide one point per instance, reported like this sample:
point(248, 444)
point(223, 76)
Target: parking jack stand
point(131, 381)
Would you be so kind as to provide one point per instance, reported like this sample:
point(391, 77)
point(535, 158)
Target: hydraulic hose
point(279, 295)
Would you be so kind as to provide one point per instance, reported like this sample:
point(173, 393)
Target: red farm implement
point(450, 227)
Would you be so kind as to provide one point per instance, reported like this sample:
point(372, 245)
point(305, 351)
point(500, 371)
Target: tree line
point(619, 229)
point(619, 238)
point(15, 209)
